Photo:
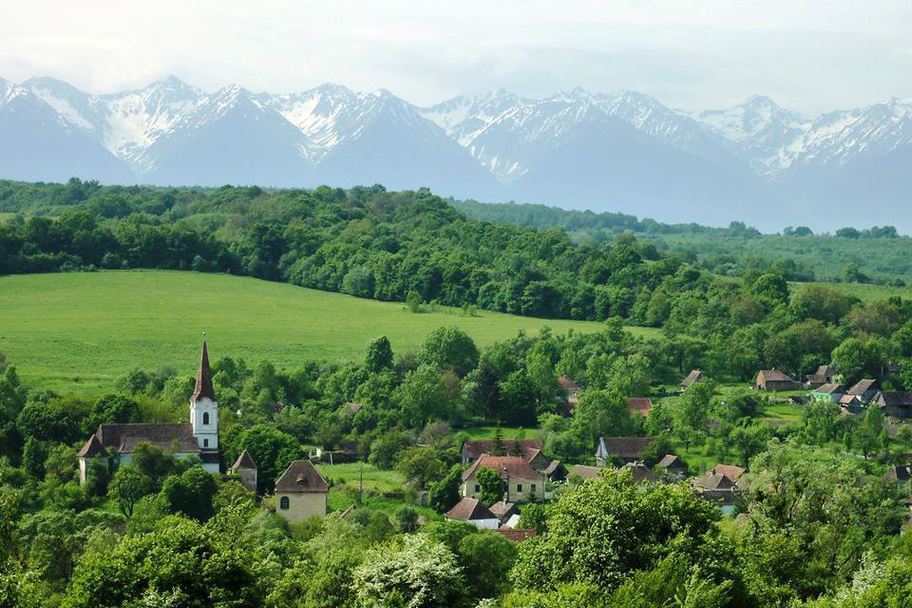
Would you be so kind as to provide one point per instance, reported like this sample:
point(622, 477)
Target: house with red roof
point(520, 479)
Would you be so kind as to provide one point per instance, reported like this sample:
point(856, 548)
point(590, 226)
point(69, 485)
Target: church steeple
point(203, 386)
point(204, 409)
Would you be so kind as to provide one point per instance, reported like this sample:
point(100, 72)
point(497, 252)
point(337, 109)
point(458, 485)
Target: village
point(500, 476)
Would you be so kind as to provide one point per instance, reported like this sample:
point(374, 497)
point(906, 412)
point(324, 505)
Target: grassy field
point(864, 292)
point(77, 332)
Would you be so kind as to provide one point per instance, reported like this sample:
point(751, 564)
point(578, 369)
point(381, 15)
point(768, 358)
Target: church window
point(205, 443)
point(283, 503)
point(205, 417)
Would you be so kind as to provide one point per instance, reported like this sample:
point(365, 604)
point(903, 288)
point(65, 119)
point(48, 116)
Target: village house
point(693, 377)
point(672, 467)
point(823, 375)
point(718, 488)
point(585, 472)
point(301, 492)
point(571, 393)
point(471, 511)
point(732, 471)
point(520, 480)
point(851, 404)
point(115, 443)
point(775, 380)
point(620, 449)
point(896, 404)
point(640, 472)
point(245, 469)
point(529, 449)
point(504, 510)
point(864, 389)
point(828, 392)
point(639, 405)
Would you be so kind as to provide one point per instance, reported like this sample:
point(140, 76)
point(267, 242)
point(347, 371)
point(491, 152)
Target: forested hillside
point(873, 255)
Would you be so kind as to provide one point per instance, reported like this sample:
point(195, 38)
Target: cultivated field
point(77, 332)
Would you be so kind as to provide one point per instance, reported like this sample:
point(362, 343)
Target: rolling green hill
point(79, 331)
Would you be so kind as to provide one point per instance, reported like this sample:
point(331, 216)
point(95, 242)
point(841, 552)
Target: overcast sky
point(808, 55)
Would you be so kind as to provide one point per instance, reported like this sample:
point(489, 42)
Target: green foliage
point(450, 348)
point(444, 494)
point(191, 493)
point(604, 529)
point(491, 486)
point(180, 558)
point(379, 355)
point(128, 485)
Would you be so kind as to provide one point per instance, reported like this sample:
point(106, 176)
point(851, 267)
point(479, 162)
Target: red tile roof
point(731, 471)
point(514, 467)
point(529, 448)
point(639, 405)
point(517, 535)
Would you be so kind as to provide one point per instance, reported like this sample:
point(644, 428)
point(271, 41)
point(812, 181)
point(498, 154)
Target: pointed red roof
point(203, 386)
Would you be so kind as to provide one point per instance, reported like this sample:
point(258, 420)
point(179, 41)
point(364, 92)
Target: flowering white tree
point(416, 571)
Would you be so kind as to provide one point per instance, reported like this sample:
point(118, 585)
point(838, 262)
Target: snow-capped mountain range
point(625, 151)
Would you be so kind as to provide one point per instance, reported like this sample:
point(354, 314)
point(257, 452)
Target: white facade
point(204, 420)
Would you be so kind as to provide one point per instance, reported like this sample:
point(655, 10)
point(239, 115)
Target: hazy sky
point(807, 55)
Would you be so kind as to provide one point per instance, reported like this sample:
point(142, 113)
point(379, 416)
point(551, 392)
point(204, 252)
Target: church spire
point(203, 386)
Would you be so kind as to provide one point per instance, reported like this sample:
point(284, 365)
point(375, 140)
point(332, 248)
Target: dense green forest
point(852, 255)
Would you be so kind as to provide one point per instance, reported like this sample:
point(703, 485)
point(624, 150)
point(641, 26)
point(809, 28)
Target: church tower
point(204, 412)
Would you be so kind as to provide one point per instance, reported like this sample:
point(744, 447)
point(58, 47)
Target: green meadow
point(78, 332)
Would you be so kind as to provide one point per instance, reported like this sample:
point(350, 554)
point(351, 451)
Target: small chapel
point(197, 438)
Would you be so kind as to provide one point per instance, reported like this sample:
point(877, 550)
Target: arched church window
point(283, 503)
point(205, 417)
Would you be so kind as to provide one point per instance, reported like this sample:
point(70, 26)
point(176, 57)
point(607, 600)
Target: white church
point(198, 438)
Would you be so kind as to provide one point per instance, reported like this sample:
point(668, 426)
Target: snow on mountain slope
point(125, 123)
point(134, 120)
point(763, 129)
point(838, 138)
point(38, 143)
point(230, 137)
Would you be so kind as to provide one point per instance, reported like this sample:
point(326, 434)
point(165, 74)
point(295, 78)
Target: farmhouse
point(897, 404)
point(823, 375)
point(504, 510)
point(301, 492)
point(529, 449)
point(623, 449)
point(672, 466)
point(864, 389)
point(694, 376)
point(851, 404)
point(520, 480)
point(639, 405)
point(733, 472)
point(198, 438)
point(471, 511)
point(828, 392)
point(775, 380)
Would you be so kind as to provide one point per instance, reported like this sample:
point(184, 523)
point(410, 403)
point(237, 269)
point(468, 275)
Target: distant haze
point(808, 55)
point(625, 151)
